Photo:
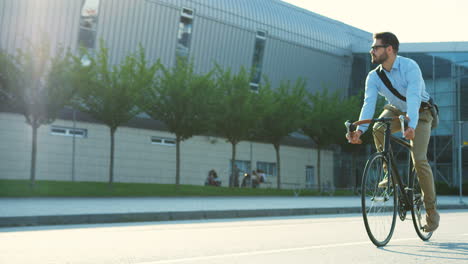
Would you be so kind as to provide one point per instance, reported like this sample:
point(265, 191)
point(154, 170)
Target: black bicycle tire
point(421, 234)
point(375, 241)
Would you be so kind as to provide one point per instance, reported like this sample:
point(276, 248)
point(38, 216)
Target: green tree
point(325, 121)
point(8, 70)
point(38, 84)
point(112, 92)
point(236, 113)
point(183, 100)
point(284, 110)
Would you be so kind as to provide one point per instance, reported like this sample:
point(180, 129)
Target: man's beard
point(379, 60)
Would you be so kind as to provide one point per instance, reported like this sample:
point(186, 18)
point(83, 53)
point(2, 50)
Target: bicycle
point(381, 202)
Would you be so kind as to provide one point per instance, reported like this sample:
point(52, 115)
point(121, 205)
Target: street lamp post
point(460, 166)
point(73, 145)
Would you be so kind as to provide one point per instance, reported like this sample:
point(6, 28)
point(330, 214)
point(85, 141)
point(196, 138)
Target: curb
point(175, 216)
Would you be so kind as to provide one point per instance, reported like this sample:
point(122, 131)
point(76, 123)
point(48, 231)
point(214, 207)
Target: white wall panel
point(136, 159)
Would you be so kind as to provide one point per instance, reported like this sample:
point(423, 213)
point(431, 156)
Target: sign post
point(460, 165)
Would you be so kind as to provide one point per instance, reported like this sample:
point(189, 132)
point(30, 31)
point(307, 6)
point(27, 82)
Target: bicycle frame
point(388, 153)
point(405, 191)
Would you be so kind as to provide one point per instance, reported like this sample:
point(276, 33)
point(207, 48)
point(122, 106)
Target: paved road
point(305, 239)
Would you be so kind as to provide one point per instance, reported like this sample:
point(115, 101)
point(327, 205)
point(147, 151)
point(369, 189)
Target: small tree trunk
point(278, 166)
point(318, 170)
point(111, 163)
point(233, 181)
point(33, 154)
point(177, 161)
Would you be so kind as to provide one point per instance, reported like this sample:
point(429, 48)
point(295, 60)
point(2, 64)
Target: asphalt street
point(300, 239)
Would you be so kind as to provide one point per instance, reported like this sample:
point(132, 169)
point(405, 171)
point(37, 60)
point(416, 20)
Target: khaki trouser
point(419, 149)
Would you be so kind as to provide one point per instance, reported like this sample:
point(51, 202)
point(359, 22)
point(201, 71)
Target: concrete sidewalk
point(55, 211)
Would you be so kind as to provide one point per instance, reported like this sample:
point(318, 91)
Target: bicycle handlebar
point(351, 127)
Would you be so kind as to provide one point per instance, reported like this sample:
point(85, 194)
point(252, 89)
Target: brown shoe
point(432, 220)
point(384, 182)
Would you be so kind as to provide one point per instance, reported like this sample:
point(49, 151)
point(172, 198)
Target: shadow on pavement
point(449, 250)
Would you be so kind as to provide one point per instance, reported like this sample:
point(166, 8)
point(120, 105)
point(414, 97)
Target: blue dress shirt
point(407, 79)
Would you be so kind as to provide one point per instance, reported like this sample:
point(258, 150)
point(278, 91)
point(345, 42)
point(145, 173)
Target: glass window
point(310, 177)
point(464, 98)
point(254, 87)
point(184, 35)
point(268, 167)
point(157, 140)
point(187, 12)
point(360, 68)
point(88, 23)
point(68, 131)
point(169, 141)
point(244, 166)
point(77, 132)
point(58, 131)
point(163, 141)
point(257, 61)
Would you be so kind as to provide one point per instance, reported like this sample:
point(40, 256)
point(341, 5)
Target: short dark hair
point(388, 38)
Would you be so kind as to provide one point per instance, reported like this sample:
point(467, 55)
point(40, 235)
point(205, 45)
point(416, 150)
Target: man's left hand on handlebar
point(354, 137)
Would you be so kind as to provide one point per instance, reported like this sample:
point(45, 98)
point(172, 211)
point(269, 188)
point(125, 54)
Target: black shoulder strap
point(387, 83)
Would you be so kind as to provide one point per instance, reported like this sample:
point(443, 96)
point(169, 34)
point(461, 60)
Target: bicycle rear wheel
point(418, 211)
point(379, 204)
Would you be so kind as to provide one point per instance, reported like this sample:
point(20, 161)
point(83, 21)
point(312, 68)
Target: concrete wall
point(136, 158)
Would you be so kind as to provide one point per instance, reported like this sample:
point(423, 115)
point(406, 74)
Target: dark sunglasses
point(374, 48)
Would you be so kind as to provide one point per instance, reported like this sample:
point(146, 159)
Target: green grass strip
point(22, 188)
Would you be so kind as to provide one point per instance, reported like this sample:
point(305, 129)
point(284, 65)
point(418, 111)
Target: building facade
point(271, 37)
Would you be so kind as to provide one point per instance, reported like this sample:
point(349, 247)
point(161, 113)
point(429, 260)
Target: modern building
point(272, 37)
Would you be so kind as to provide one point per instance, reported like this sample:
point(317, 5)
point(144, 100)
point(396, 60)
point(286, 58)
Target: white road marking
point(263, 252)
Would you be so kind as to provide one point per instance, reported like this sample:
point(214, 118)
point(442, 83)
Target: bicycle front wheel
point(379, 201)
point(418, 211)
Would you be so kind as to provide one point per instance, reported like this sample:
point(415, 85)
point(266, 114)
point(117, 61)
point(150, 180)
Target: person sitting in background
point(212, 179)
point(261, 176)
point(246, 180)
point(258, 177)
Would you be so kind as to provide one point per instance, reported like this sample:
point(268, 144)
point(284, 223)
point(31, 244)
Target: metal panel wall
point(226, 45)
point(126, 24)
point(282, 20)
point(284, 61)
point(224, 31)
point(23, 21)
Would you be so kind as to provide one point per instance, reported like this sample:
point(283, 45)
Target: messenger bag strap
point(389, 85)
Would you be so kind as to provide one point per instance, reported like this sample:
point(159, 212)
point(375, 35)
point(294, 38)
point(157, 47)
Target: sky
point(409, 20)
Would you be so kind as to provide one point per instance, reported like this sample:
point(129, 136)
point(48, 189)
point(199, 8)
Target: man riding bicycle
point(405, 79)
